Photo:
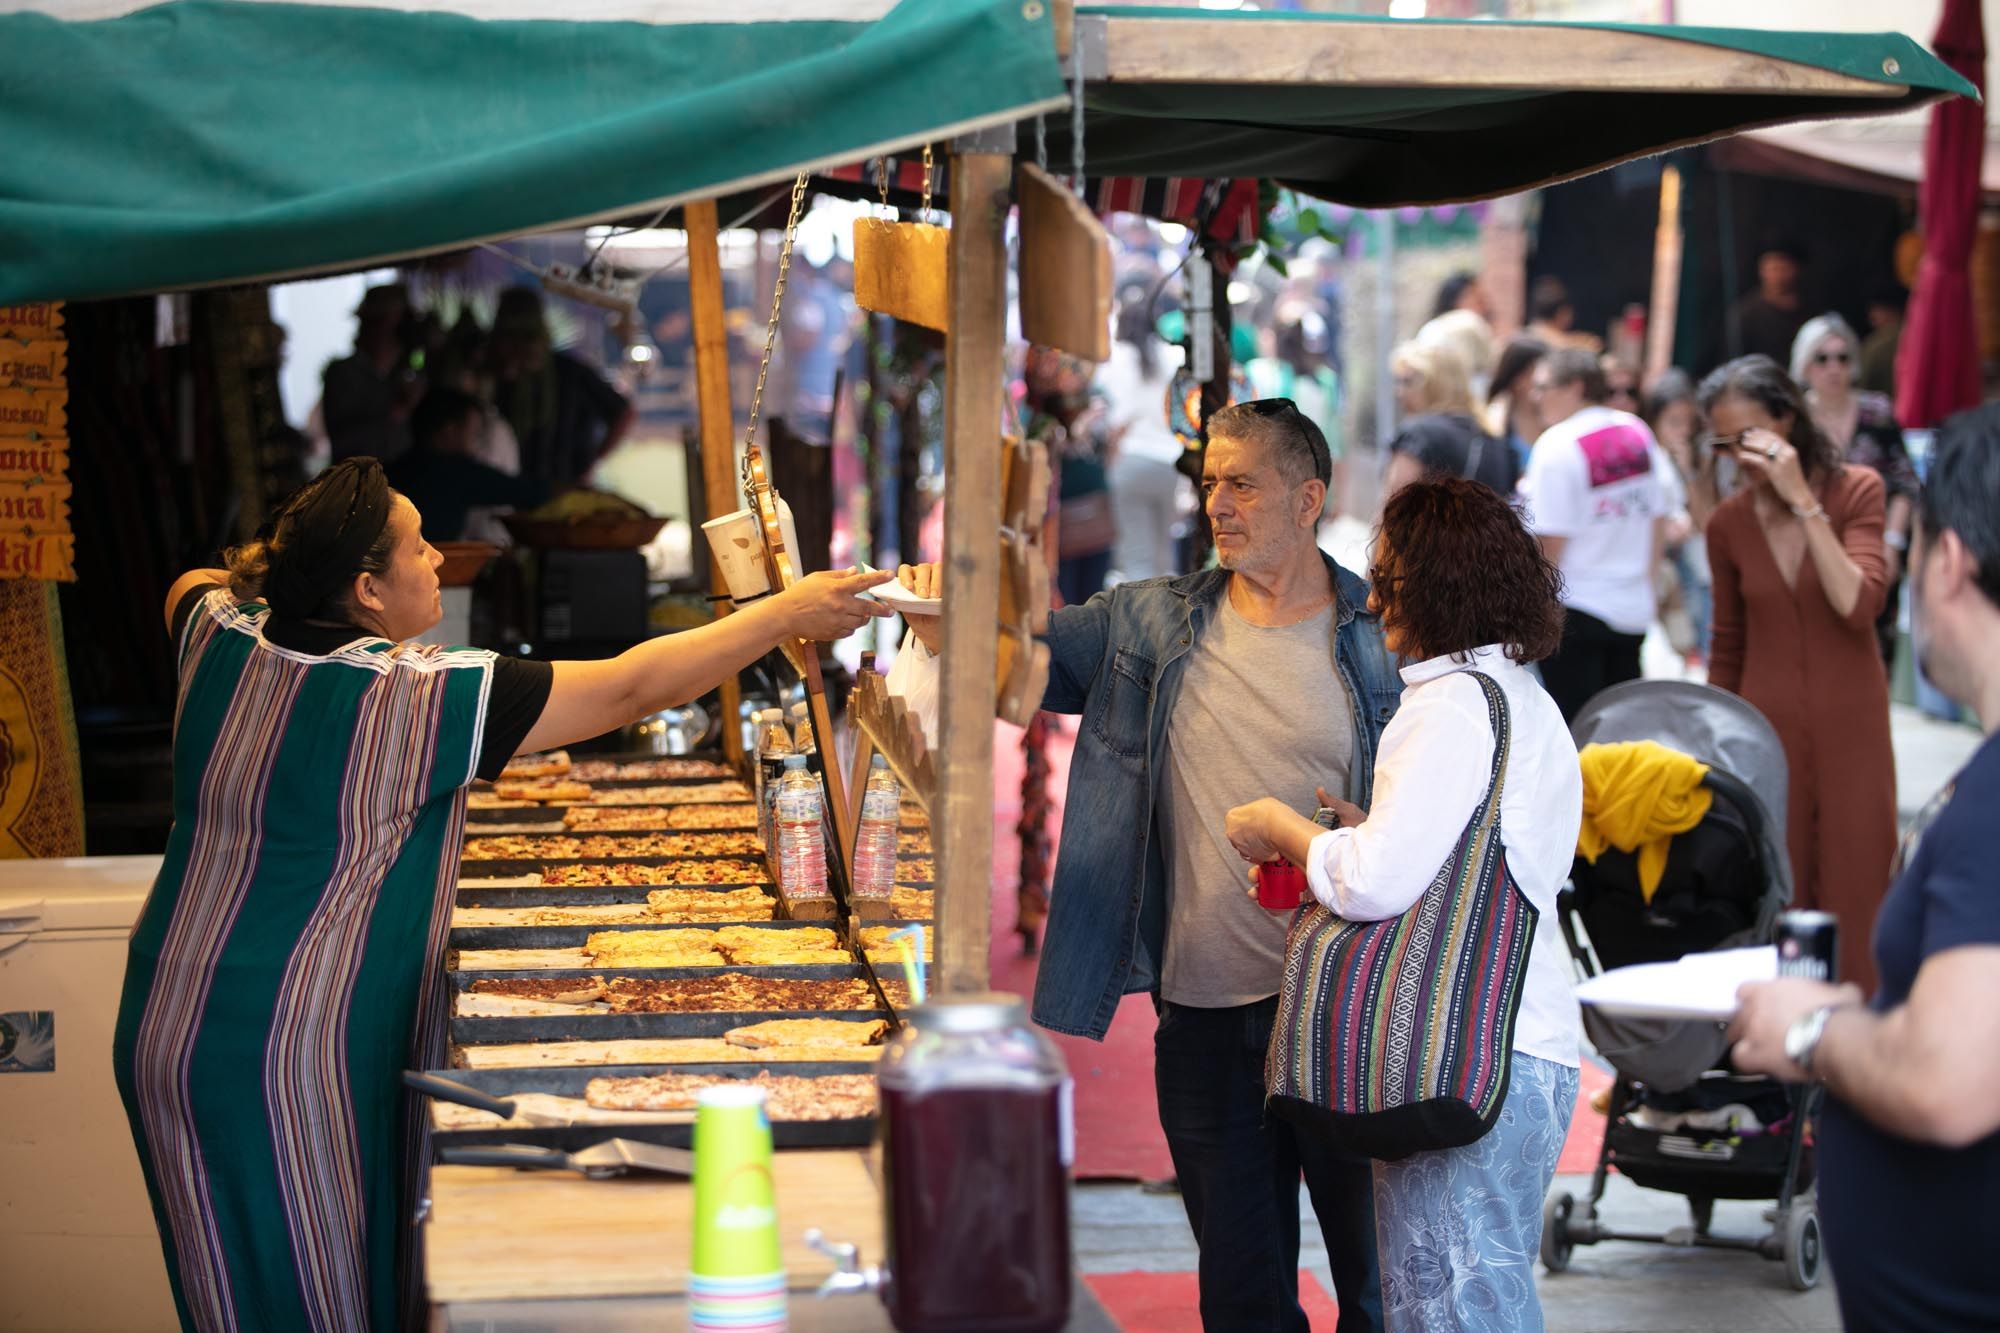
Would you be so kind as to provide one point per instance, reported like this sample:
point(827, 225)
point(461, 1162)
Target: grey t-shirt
point(1262, 712)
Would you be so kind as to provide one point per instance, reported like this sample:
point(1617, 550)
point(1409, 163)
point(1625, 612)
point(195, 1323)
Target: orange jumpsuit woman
point(1800, 576)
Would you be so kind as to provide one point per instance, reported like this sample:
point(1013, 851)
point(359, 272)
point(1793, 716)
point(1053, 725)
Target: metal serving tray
point(678, 1133)
point(555, 895)
point(503, 869)
point(573, 937)
point(584, 1026)
point(629, 1027)
point(553, 814)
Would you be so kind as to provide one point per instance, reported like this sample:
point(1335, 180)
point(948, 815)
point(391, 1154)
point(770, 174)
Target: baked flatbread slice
point(814, 1032)
point(554, 764)
point(551, 990)
point(558, 791)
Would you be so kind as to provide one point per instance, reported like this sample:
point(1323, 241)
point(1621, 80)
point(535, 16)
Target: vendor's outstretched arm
point(1075, 634)
point(590, 698)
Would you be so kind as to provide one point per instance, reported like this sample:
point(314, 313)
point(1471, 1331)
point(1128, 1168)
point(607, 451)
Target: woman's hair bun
point(248, 564)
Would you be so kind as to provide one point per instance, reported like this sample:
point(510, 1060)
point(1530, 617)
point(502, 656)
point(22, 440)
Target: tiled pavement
point(1615, 1287)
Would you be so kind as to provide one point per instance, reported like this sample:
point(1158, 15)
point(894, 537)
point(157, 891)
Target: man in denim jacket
point(1196, 694)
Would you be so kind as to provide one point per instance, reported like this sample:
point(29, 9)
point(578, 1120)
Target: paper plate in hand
point(901, 598)
point(1699, 987)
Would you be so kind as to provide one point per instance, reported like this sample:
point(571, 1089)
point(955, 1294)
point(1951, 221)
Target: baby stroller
point(1680, 1120)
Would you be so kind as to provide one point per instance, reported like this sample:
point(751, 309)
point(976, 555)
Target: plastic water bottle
point(774, 742)
point(875, 840)
point(801, 832)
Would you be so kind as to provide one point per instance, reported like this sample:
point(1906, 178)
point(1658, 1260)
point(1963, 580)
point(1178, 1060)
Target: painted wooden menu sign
point(35, 539)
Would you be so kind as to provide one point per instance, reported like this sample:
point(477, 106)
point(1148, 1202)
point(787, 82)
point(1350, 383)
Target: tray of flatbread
point(663, 811)
point(764, 943)
point(818, 987)
point(650, 768)
point(633, 1008)
point(871, 940)
point(747, 1039)
point(579, 1005)
point(534, 891)
point(660, 907)
point(811, 1104)
point(661, 845)
point(908, 902)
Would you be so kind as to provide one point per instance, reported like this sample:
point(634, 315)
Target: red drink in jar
point(976, 1146)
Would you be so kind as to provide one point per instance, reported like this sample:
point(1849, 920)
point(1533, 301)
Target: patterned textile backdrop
point(41, 796)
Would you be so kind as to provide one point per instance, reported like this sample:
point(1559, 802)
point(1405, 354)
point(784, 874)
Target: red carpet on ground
point(1117, 1117)
point(1170, 1302)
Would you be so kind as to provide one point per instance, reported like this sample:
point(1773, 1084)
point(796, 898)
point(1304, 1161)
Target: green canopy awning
point(1379, 112)
point(204, 141)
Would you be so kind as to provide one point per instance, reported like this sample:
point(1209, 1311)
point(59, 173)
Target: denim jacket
point(1118, 660)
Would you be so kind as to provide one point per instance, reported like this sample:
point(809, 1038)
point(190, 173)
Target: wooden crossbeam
point(1309, 53)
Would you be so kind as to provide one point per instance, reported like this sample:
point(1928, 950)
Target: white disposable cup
point(738, 544)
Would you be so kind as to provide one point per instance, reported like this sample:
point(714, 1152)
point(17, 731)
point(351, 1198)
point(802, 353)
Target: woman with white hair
point(1826, 360)
point(1440, 434)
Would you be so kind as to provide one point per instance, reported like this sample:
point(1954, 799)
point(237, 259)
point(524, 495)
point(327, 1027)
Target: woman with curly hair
point(1463, 591)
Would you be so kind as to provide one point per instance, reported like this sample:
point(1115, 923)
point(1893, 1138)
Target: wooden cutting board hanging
point(902, 269)
point(1065, 268)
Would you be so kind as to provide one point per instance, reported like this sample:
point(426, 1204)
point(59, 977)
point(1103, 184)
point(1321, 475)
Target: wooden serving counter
point(512, 1251)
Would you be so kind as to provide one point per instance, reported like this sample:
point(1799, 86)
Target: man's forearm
point(1880, 1066)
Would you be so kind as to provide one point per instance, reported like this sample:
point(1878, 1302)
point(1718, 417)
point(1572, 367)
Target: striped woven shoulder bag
point(1396, 1037)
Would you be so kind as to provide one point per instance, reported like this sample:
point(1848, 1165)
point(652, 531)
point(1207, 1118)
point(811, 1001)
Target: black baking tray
point(573, 937)
point(553, 814)
point(517, 866)
point(858, 970)
point(624, 1027)
point(555, 895)
point(570, 1082)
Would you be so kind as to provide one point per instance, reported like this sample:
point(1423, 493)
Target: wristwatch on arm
point(1802, 1037)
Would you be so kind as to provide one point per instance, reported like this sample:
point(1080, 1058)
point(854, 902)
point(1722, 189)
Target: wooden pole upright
point(722, 489)
point(962, 821)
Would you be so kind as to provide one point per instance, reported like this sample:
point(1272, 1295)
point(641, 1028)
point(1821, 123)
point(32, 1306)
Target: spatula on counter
point(600, 1161)
point(524, 1108)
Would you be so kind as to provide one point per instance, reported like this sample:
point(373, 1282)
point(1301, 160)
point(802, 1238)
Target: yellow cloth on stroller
point(1636, 796)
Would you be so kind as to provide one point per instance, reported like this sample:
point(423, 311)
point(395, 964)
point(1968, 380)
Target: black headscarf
point(321, 535)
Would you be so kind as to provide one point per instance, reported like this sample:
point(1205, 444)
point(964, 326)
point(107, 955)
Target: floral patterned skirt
point(1459, 1231)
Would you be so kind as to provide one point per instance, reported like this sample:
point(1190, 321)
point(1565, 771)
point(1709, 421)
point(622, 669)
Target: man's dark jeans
point(1239, 1177)
point(1593, 657)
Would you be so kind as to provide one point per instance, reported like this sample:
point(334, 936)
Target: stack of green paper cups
point(736, 1281)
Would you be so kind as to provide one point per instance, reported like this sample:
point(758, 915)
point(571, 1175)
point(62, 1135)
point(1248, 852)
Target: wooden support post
point(1667, 246)
point(962, 822)
point(722, 491)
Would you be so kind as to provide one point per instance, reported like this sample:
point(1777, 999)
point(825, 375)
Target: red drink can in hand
point(1281, 886)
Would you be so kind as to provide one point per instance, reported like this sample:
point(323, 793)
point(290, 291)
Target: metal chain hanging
point(925, 212)
point(1076, 115)
point(771, 330)
point(882, 180)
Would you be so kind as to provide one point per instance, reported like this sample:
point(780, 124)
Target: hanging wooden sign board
point(36, 319)
point(902, 269)
point(1065, 268)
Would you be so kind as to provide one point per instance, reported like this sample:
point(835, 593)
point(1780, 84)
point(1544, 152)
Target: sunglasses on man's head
point(1288, 411)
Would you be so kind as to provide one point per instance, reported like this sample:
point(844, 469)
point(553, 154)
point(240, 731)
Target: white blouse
point(1430, 774)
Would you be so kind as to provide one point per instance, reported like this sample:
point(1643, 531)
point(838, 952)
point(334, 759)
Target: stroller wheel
point(1556, 1244)
point(1802, 1247)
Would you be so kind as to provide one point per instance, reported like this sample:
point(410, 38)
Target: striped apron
point(286, 969)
